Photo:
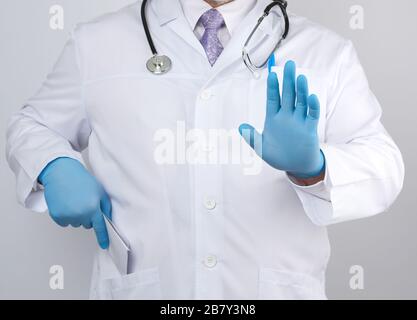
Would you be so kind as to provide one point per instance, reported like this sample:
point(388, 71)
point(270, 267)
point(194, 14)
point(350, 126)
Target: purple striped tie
point(212, 21)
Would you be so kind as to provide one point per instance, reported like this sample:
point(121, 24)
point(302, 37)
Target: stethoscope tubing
point(154, 63)
point(146, 27)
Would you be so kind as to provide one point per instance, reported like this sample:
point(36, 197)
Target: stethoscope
point(161, 64)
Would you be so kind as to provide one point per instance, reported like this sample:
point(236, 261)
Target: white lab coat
point(205, 231)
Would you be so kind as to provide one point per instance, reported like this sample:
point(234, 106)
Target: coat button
point(206, 94)
point(210, 261)
point(210, 204)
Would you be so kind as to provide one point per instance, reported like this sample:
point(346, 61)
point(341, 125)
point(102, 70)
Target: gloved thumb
point(100, 230)
point(252, 137)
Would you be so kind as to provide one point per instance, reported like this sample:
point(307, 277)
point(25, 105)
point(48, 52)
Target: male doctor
point(205, 230)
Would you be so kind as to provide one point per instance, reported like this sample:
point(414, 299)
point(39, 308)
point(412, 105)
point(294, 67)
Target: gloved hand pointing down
point(74, 197)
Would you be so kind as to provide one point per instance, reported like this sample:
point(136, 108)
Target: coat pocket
point(286, 285)
point(142, 285)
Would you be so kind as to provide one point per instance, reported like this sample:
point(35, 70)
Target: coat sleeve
point(51, 124)
point(364, 167)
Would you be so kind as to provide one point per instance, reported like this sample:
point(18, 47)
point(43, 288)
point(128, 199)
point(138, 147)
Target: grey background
point(384, 245)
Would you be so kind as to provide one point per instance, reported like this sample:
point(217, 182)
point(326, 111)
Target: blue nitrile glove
point(75, 197)
point(289, 141)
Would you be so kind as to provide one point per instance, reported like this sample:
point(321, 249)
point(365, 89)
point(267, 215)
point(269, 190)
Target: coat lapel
point(171, 15)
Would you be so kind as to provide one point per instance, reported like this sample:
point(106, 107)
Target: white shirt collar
point(232, 12)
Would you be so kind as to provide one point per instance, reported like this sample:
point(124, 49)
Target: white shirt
point(232, 12)
point(214, 230)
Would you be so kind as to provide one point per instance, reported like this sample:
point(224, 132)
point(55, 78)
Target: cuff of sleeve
point(337, 198)
point(29, 192)
point(321, 189)
point(316, 199)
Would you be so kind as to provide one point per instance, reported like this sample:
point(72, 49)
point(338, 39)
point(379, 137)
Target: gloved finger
point(87, 225)
point(105, 204)
point(273, 103)
point(76, 224)
point(252, 137)
point(313, 111)
point(302, 97)
point(100, 230)
point(288, 91)
point(62, 222)
point(271, 62)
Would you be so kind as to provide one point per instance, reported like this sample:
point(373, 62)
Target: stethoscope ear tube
point(283, 6)
point(245, 53)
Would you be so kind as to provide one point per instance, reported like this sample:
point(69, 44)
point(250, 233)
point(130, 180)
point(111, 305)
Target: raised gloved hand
point(289, 141)
point(74, 197)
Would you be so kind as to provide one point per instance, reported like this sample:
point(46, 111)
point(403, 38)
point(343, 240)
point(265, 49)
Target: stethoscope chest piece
point(159, 64)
